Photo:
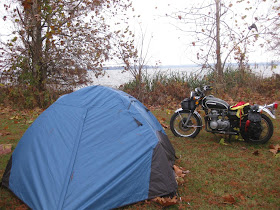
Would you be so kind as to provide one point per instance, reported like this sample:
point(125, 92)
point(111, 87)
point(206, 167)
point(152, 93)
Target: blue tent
point(96, 148)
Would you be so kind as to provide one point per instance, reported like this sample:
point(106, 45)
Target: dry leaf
point(274, 149)
point(164, 125)
point(241, 196)
point(5, 149)
point(272, 146)
point(5, 134)
point(212, 170)
point(166, 201)
point(180, 180)
point(256, 153)
point(229, 199)
point(179, 171)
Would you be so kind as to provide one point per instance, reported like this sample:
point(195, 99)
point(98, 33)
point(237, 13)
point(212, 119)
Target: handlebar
point(200, 93)
point(207, 87)
point(204, 89)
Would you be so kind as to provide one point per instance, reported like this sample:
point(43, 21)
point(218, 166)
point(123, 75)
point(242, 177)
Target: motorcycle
point(221, 118)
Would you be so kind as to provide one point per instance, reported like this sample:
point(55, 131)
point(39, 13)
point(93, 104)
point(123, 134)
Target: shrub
point(28, 97)
point(172, 87)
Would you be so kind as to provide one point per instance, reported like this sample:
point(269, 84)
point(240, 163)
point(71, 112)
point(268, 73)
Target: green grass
point(216, 170)
point(13, 124)
point(234, 169)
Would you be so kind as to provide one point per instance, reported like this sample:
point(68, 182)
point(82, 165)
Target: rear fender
point(263, 108)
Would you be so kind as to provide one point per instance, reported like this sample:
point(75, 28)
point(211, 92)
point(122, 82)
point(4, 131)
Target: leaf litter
point(5, 149)
point(275, 149)
point(179, 175)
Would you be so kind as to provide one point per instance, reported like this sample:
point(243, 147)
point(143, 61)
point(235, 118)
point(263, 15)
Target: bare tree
point(274, 15)
point(136, 62)
point(219, 31)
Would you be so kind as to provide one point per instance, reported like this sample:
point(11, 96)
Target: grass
point(13, 124)
point(236, 175)
point(235, 169)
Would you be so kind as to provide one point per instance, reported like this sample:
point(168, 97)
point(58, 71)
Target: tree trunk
point(39, 72)
point(219, 68)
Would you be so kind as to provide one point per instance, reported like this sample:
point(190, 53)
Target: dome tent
point(96, 148)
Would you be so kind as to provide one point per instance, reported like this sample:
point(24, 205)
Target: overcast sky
point(167, 44)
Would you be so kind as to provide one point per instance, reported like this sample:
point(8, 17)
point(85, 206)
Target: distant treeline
point(254, 65)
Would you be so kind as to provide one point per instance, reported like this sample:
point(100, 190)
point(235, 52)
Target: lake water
point(115, 78)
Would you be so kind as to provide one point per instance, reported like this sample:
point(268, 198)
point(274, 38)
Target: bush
point(165, 89)
point(160, 89)
point(27, 97)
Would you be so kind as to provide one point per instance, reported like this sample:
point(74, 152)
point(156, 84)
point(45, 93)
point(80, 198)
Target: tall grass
point(28, 97)
point(162, 88)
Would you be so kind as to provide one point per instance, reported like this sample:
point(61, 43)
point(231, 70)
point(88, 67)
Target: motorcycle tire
point(266, 134)
point(177, 124)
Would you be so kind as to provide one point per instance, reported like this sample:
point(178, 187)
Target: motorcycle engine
point(217, 121)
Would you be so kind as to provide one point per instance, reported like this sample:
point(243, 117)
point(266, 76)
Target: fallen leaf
point(275, 191)
point(164, 125)
point(168, 111)
point(272, 146)
point(256, 153)
point(179, 171)
point(14, 118)
point(166, 201)
point(212, 170)
point(274, 149)
point(180, 180)
point(186, 172)
point(229, 199)
point(5, 149)
point(5, 134)
point(222, 142)
point(21, 207)
point(241, 196)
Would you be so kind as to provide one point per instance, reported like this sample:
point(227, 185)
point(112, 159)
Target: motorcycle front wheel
point(266, 131)
point(180, 128)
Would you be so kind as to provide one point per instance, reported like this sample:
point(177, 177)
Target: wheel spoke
point(184, 128)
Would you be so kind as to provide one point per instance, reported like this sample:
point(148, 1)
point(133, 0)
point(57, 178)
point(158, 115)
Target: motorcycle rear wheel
point(178, 127)
point(266, 134)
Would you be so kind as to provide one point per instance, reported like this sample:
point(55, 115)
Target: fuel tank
point(212, 102)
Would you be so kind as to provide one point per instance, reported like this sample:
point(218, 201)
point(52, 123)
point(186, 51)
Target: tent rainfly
point(96, 148)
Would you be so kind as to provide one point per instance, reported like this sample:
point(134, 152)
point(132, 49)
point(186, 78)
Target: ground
point(231, 175)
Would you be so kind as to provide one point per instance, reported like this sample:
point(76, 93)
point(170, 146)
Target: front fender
point(195, 112)
point(178, 110)
point(263, 108)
